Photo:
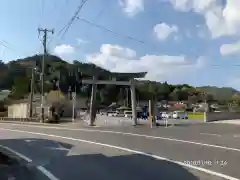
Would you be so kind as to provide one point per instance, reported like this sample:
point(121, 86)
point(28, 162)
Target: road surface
point(76, 152)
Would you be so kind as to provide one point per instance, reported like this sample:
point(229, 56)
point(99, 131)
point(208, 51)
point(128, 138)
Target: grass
point(195, 115)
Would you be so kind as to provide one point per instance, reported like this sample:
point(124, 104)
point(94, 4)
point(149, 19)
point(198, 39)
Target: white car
point(166, 115)
point(102, 113)
point(128, 114)
point(115, 113)
point(111, 113)
point(180, 115)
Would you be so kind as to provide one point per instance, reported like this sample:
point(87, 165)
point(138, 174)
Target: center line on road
point(40, 168)
point(130, 150)
point(137, 135)
point(209, 134)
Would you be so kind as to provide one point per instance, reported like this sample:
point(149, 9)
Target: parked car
point(111, 113)
point(139, 114)
point(166, 115)
point(128, 114)
point(103, 113)
point(116, 113)
point(180, 115)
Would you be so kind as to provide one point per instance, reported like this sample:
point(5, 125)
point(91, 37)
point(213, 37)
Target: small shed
point(18, 110)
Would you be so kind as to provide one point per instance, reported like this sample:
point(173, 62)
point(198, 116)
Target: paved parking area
point(103, 120)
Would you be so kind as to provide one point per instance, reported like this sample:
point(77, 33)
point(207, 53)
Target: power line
point(110, 31)
point(65, 28)
point(11, 47)
point(142, 42)
point(68, 25)
point(101, 11)
point(62, 11)
point(1, 52)
point(87, 31)
point(6, 45)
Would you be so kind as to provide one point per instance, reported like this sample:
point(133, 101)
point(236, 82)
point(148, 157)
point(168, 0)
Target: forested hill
point(222, 93)
point(16, 76)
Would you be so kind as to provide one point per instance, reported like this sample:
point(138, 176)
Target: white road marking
point(209, 134)
point(29, 140)
point(138, 135)
point(40, 168)
point(237, 136)
point(132, 151)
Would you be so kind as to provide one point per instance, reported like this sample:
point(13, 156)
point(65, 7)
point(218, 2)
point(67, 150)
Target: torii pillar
point(133, 102)
point(93, 109)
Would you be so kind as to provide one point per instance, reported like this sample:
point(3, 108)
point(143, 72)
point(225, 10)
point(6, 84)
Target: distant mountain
point(222, 93)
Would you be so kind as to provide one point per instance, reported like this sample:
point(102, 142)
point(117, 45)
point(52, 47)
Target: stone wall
point(215, 116)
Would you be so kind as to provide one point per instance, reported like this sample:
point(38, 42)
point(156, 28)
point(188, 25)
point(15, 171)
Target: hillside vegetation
point(16, 76)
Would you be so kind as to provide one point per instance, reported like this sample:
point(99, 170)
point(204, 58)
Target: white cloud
point(64, 49)
point(229, 49)
point(159, 67)
point(118, 51)
point(132, 7)
point(221, 19)
point(163, 31)
point(81, 41)
point(195, 5)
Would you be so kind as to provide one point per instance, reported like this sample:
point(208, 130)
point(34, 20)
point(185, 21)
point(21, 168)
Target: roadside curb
point(31, 123)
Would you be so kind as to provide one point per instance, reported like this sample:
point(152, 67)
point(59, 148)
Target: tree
point(182, 95)
point(193, 99)
point(163, 91)
point(20, 87)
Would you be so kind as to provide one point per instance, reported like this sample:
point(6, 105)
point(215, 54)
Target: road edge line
point(42, 169)
point(130, 150)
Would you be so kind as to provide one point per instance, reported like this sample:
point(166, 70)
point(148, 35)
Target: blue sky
point(185, 41)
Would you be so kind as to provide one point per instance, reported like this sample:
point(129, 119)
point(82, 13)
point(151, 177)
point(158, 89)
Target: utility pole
point(31, 94)
point(74, 96)
point(45, 32)
point(92, 111)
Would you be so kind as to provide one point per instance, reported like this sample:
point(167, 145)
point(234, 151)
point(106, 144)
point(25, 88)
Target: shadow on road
point(66, 161)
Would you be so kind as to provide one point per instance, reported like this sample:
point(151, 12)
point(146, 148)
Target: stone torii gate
point(131, 83)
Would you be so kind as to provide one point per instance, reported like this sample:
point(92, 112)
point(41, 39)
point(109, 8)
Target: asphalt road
point(76, 152)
